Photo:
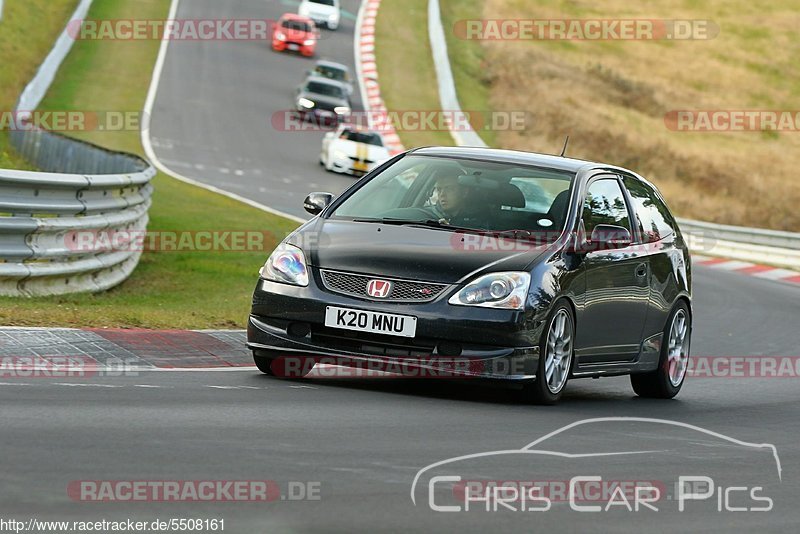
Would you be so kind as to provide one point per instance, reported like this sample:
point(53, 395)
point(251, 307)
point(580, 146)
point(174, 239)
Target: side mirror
point(316, 202)
point(609, 236)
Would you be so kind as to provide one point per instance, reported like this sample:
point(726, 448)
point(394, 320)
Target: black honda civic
point(483, 263)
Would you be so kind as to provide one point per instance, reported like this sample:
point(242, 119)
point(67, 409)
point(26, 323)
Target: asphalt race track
point(364, 440)
point(213, 116)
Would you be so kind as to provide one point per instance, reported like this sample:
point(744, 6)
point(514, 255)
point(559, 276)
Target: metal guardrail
point(84, 189)
point(756, 245)
point(740, 234)
point(42, 215)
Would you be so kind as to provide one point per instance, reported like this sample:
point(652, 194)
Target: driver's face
point(450, 194)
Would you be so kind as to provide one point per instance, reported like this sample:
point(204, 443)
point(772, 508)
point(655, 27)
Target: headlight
point(280, 36)
point(342, 110)
point(287, 264)
point(338, 154)
point(496, 290)
point(308, 42)
point(306, 103)
point(332, 17)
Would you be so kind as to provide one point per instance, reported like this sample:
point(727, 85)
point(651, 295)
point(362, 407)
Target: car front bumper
point(288, 321)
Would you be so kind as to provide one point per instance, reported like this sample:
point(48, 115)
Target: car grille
point(354, 158)
point(402, 290)
point(327, 106)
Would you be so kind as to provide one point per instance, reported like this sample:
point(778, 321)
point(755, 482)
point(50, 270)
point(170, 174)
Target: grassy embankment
point(27, 32)
point(168, 289)
point(611, 97)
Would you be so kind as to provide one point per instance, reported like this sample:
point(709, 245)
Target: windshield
point(325, 89)
point(297, 25)
point(324, 2)
point(331, 72)
point(479, 195)
point(368, 138)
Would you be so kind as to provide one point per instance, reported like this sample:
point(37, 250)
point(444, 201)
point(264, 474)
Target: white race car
point(352, 150)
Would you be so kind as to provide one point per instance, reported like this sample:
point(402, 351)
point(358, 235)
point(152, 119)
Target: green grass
point(468, 62)
point(168, 289)
point(405, 63)
point(27, 33)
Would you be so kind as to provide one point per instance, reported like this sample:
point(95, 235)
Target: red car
point(296, 33)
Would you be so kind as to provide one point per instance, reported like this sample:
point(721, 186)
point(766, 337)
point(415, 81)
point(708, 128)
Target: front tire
point(282, 366)
point(264, 364)
point(556, 351)
point(666, 381)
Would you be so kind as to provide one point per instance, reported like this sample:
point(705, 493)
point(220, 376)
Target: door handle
point(641, 270)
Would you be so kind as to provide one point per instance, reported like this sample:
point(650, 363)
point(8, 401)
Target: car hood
point(296, 35)
point(361, 150)
point(407, 252)
point(324, 101)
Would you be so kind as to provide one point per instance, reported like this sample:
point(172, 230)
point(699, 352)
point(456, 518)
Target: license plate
point(293, 47)
point(373, 322)
point(360, 166)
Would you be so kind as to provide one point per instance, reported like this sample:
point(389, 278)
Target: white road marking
point(88, 385)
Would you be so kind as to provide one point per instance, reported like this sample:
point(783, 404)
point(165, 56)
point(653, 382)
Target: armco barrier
point(82, 188)
point(95, 189)
point(756, 245)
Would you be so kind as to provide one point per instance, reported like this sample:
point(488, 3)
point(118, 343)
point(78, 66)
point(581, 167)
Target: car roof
point(517, 157)
point(333, 64)
point(328, 81)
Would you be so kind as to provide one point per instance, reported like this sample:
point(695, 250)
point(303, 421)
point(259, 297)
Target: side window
point(654, 219)
point(605, 204)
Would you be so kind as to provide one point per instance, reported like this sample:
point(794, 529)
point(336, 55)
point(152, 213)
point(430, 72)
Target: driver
point(452, 205)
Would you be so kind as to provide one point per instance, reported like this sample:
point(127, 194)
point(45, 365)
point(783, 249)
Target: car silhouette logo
point(379, 289)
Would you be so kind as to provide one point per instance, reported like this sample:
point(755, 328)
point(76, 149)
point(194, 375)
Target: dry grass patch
point(611, 98)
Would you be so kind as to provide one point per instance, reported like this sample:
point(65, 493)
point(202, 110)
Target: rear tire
point(556, 349)
point(666, 381)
